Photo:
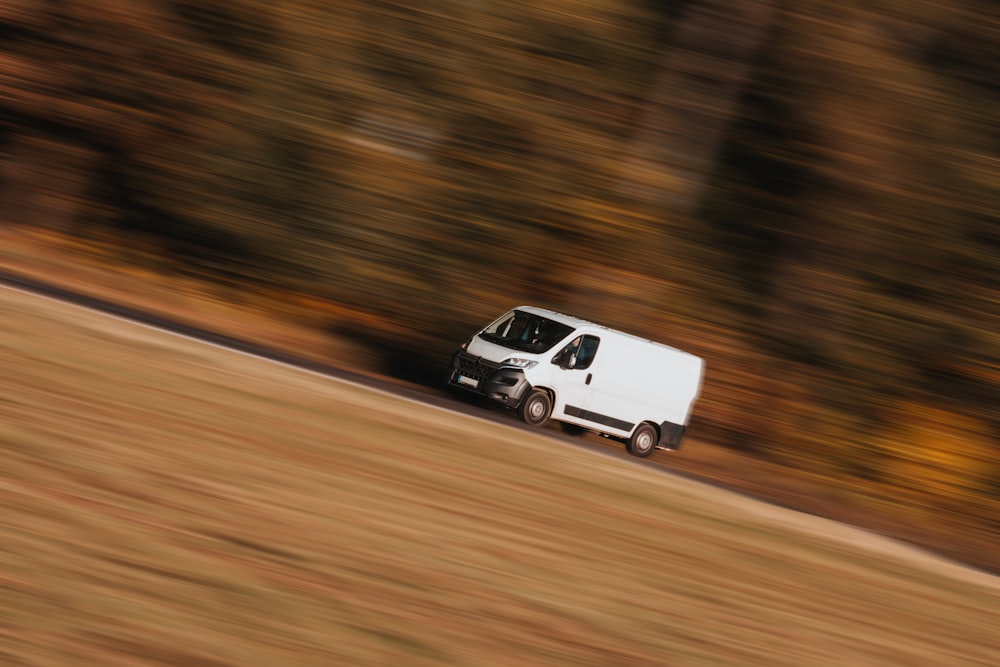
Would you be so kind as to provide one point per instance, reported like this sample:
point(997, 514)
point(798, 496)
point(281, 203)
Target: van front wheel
point(535, 408)
point(643, 441)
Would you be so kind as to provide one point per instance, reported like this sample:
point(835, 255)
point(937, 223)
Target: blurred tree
point(805, 194)
point(702, 75)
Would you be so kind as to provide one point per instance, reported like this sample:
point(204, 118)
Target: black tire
point(535, 408)
point(643, 440)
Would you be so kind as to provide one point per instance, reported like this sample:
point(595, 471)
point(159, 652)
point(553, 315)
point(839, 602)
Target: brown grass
point(168, 503)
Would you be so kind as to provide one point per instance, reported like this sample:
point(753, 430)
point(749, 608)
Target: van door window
point(579, 354)
point(588, 350)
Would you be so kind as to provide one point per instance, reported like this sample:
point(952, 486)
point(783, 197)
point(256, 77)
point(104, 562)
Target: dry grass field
point(168, 503)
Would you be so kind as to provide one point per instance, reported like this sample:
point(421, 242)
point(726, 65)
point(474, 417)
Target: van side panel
point(645, 382)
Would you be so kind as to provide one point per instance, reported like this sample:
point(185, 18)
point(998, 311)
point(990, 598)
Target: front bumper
point(503, 384)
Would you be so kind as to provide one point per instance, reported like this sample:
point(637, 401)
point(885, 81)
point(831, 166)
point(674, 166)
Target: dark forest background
point(804, 193)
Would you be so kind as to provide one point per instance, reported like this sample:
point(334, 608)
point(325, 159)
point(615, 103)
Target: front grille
point(475, 367)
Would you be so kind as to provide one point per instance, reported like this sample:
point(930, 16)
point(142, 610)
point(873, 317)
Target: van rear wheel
point(643, 441)
point(535, 408)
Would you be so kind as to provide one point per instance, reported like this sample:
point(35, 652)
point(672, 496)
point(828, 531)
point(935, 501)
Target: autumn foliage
point(804, 193)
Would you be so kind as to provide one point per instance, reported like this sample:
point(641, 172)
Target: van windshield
point(526, 332)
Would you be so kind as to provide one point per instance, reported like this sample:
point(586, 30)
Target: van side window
point(579, 354)
point(588, 350)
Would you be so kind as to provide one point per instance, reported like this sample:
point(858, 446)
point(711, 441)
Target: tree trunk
point(695, 95)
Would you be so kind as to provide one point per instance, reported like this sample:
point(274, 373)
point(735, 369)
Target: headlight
point(519, 363)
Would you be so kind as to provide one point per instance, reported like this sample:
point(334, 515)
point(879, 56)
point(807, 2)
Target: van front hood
point(493, 352)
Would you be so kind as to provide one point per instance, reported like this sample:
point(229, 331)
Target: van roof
point(577, 322)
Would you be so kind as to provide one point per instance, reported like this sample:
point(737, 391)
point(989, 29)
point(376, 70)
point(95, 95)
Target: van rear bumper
point(671, 436)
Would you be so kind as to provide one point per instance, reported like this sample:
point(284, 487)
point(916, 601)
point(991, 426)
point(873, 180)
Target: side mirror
point(568, 360)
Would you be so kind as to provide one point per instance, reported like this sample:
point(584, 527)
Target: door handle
point(590, 376)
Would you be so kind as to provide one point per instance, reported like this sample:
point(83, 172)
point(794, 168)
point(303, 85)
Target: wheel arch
point(536, 407)
point(641, 444)
point(649, 422)
point(528, 388)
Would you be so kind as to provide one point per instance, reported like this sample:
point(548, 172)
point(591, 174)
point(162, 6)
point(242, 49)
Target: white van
point(588, 377)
